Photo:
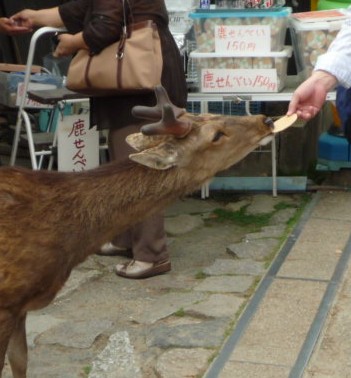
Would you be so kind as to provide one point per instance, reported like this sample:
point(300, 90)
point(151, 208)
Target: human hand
point(310, 96)
point(11, 27)
point(25, 18)
point(66, 45)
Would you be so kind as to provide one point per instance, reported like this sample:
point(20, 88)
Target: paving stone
point(178, 363)
point(116, 360)
point(262, 204)
point(236, 206)
point(217, 306)
point(254, 249)
point(77, 279)
point(279, 327)
point(37, 324)
point(247, 370)
point(226, 284)
point(79, 334)
point(165, 305)
point(191, 206)
point(237, 267)
point(182, 224)
point(282, 216)
point(207, 334)
point(275, 231)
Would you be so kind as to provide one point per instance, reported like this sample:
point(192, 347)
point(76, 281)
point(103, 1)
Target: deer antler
point(155, 112)
point(168, 125)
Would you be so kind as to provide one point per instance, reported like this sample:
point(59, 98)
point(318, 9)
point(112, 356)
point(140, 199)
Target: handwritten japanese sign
point(239, 80)
point(78, 145)
point(243, 40)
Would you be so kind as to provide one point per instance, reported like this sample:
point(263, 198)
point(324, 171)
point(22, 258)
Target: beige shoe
point(141, 269)
point(109, 249)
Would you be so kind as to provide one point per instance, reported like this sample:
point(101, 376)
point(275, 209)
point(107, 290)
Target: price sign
point(78, 144)
point(243, 40)
point(239, 80)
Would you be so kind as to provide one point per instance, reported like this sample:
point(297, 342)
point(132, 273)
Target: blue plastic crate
point(226, 107)
point(334, 148)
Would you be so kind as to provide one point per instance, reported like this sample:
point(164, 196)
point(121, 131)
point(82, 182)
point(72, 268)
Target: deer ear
point(160, 158)
point(140, 142)
point(136, 141)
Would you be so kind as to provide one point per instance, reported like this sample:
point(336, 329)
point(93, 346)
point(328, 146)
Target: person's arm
point(37, 18)
point(332, 68)
point(337, 59)
point(69, 44)
point(310, 96)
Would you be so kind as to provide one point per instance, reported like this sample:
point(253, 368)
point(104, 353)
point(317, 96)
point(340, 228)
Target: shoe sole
point(151, 272)
point(127, 253)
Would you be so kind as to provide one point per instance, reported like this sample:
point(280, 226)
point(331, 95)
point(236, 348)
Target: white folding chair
point(23, 119)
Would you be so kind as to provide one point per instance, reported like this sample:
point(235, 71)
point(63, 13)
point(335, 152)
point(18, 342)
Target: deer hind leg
point(7, 325)
point(17, 351)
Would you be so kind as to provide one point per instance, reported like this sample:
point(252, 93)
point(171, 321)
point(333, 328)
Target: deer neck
point(112, 198)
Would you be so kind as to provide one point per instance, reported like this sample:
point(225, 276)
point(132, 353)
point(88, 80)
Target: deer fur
point(52, 221)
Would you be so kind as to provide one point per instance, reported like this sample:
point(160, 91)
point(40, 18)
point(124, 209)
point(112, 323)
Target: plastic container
point(333, 148)
point(241, 4)
point(231, 4)
point(217, 73)
point(205, 23)
point(311, 39)
point(10, 81)
point(181, 5)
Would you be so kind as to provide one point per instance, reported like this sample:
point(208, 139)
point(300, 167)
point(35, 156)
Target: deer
point(52, 221)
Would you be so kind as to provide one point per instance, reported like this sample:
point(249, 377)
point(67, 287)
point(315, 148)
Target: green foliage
point(240, 217)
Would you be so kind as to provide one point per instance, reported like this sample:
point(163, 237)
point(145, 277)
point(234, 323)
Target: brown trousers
point(147, 239)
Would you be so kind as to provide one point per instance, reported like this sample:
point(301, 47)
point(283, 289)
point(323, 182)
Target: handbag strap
point(120, 51)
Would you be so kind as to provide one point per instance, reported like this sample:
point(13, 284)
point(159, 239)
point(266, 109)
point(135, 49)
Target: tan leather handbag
point(132, 64)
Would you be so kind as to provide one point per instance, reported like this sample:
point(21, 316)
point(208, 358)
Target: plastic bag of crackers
point(312, 34)
point(242, 4)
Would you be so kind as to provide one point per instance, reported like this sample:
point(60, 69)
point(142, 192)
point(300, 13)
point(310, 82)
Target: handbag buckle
point(120, 51)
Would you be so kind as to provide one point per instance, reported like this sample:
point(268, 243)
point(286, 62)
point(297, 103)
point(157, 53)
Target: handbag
point(132, 64)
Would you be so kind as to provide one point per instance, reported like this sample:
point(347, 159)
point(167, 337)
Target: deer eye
point(217, 136)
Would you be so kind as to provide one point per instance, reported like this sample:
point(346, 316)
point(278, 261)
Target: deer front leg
point(17, 351)
point(7, 325)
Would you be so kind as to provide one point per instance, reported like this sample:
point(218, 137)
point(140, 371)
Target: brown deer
point(51, 221)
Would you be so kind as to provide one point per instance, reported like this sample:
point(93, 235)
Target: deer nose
point(269, 122)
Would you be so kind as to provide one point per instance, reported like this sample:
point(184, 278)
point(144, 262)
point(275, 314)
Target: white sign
point(239, 80)
point(243, 40)
point(78, 145)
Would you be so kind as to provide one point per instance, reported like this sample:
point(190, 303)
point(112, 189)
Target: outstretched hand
point(12, 27)
point(310, 96)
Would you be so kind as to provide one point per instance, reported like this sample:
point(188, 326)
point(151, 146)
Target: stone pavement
point(175, 325)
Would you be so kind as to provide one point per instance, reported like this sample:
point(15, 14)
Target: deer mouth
point(268, 138)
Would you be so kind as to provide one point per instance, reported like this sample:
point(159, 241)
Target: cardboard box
point(219, 73)
point(242, 31)
point(7, 67)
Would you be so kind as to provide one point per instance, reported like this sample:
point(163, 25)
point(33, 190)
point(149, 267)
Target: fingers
point(12, 27)
point(293, 105)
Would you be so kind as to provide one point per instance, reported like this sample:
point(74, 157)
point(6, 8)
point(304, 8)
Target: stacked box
point(240, 50)
point(205, 23)
point(312, 36)
point(218, 73)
